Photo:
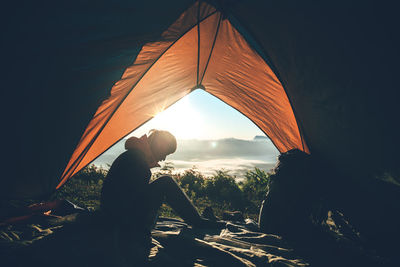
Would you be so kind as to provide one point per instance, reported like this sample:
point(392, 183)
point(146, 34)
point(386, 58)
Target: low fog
point(233, 155)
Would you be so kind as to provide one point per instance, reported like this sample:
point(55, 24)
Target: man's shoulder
point(134, 156)
point(127, 164)
point(134, 153)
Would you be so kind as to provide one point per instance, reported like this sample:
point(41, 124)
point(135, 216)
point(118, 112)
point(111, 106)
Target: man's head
point(162, 143)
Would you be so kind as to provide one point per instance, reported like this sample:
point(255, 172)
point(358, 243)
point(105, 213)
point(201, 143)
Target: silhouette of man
point(130, 201)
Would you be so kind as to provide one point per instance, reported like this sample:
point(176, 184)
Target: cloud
point(234, 166)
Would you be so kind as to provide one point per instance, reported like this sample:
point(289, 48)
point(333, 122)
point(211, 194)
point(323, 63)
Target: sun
point(181, 119)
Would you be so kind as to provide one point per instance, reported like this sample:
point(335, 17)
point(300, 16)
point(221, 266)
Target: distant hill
point(260, 138)
point(224, 148)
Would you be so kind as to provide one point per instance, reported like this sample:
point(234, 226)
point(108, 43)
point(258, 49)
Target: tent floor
point(68, 241)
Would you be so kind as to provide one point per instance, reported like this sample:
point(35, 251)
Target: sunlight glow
point(214, 144)
point(181, 119)
point(201, 116)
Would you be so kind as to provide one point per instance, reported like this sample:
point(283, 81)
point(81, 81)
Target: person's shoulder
point(128, 161)
point(132, 154)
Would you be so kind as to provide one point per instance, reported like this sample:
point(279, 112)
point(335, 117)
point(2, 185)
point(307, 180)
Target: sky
point(211, 136)
point(199, 115)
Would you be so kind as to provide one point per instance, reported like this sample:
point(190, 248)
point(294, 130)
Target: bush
point(223, 188)
point(192, 182)
point(91, 174)
point(84, 188)
point(254, 188)
point(255, 184)
point(221, 191)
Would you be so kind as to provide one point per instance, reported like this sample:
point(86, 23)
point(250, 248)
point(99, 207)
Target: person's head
point(294, 162)
point(162, 143)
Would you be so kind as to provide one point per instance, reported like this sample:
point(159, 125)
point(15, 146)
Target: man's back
point(126, 184)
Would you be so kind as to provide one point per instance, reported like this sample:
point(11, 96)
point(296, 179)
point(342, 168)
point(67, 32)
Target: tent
point(321, 77)
point(200, 50)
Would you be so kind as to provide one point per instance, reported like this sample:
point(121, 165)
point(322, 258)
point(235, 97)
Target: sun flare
point(181, 119)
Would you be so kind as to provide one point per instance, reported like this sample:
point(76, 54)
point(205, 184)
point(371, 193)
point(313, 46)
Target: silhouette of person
point(130, 201)
point(292, 192)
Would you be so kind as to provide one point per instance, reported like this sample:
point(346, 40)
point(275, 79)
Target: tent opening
point(211, 135)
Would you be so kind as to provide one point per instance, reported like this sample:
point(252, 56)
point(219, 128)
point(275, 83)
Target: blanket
point(174, 243)
point(239, 244)
point(84, 240)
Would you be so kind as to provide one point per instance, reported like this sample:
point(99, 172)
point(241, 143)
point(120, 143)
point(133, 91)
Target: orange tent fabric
point(200, 50)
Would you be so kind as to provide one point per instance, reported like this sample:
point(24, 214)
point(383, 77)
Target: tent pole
point(198, 41)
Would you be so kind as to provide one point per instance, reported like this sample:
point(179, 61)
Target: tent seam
point(212, 47)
